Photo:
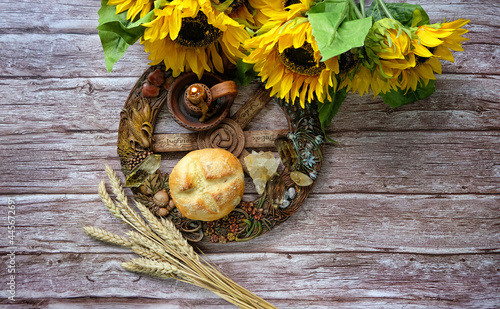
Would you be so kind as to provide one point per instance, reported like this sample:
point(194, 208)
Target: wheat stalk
point(165, 252)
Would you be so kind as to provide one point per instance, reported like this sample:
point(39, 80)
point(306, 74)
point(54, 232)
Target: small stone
point(291, 193)
point(301, 179)
point(285, 204)
point(156, 78)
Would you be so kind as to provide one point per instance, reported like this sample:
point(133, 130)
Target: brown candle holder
point(200, 105)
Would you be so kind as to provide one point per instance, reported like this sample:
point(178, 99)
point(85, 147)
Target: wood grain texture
point(444, 281)
point(405, 213)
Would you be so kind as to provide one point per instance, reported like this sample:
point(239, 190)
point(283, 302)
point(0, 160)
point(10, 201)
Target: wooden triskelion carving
point(300, 148)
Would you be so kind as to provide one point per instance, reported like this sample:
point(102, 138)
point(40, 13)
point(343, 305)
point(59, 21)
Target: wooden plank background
point(405, 213)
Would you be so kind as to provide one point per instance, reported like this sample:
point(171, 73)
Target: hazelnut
point(161, 198)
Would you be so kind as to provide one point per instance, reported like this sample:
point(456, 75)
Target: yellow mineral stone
point(261, 166)
point(301, 179)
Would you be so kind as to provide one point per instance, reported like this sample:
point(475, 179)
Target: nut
point(161, 198)
point(162, 212)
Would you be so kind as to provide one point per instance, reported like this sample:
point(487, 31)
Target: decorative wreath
point(300, 148)
point(308, 54)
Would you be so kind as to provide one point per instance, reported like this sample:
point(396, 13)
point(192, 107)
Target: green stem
point(386, 11)
point(362, 7)
point(356, 10)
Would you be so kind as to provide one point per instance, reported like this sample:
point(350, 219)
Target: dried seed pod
point(161, 198)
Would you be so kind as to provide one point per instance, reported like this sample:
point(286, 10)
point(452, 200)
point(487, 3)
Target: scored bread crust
point(207, 184)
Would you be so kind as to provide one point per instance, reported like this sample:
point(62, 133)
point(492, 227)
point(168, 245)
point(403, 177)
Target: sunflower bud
point(389, 45)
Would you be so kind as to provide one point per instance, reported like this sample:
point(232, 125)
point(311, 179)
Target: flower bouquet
point(303, 50)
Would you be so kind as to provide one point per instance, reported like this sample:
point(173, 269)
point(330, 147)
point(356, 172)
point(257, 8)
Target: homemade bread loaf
point(207, 184)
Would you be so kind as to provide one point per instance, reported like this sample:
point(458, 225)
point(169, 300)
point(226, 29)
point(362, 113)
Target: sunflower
point(365, 79)
point(446, 34)
point(287, 58)
point(434, 43)
point(441, 38)
point(134, 7)
point(191, 35)
point(267, 9)
point(241, 11)
point(387, 52)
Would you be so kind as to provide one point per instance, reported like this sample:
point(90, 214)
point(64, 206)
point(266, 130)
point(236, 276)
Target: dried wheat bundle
point(164, 252)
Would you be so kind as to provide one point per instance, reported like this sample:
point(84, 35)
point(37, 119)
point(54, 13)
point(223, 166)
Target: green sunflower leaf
point(119, 24)
point(333, 32)
point(398, 98)
point(329, 109)
point(117, 33)
point(114, 48)
point(409, 15)
point(244, 73)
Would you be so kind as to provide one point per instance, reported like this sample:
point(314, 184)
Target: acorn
point(161, 198)
point(162, 212)
point(171, 205)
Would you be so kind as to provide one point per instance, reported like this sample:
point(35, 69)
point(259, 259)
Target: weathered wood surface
point(406, 213)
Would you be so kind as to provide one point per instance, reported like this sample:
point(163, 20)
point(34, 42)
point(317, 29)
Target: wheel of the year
point(300, 148)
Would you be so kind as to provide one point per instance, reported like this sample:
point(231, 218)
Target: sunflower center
point(236, 4)
point(421, 60)
point(197, 32)
point(301, 60)
point(346, 62)
point(286, 3)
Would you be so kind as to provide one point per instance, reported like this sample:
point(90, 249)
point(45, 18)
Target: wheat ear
point(155, 268)
point(177, 235)
point(147, 253)
point(106, 236)
point(167, 231)
point(128, 214)
point(107, 201)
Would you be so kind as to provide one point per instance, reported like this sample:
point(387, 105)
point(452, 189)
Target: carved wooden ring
point(300, 149)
